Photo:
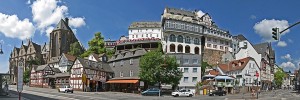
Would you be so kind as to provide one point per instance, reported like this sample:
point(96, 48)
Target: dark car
point(218, 92)
point(151, 92)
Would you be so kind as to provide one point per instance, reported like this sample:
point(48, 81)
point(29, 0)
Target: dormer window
point(122, 62)
point(113, 64)
point(131, 62)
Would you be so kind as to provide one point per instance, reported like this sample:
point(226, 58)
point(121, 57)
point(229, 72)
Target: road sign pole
point(20, 78)
point(19, 95)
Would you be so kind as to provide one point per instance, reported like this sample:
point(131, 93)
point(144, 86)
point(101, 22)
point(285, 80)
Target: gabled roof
point(41, 67)
point(70, 57)
point(17, 49)
point(89, 64)
point(62, 25)
point(145, 25)
point(213, 72)
point(235, 65)
point(261, 48)
point(241, 37)
point(54, 59)
point(95, 56)
point(128, 54)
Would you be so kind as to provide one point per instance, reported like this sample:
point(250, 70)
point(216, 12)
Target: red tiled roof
point(213, 72)
point(235, 65)
point(70, 57)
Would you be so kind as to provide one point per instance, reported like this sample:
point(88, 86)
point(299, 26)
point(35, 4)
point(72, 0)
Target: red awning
point(122, 81)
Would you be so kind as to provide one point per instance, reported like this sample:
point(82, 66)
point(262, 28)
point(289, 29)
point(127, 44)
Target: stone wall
point(212, 57)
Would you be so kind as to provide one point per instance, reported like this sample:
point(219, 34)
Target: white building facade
point(183, 32)
point(142, 30)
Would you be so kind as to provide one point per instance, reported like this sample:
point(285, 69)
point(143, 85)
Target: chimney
point(67, 21)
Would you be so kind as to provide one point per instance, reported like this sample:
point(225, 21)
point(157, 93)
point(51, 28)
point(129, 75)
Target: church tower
point(61, 38)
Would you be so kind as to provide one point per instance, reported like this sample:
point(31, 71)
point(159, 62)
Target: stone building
point(24, 54)
point(60, 39)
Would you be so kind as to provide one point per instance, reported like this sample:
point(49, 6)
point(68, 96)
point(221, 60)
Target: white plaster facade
point(190, 77)
point(247, 50)
point(140, 30)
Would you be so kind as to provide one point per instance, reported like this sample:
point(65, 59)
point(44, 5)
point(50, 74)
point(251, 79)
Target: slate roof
point(67, 74)
point(62, 25)
point(235, 65)
point(241, 37)
point(45, 47)
point(261, 48)
point(145, 25)
point(180, 12)
point(56, 70)
point(128, 54)
point(95, 56)
point(54, 59)
point(95, 65)
point(36, 47)
point(41, 67)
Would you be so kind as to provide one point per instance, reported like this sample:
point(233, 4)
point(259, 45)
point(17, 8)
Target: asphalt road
point(32, 93)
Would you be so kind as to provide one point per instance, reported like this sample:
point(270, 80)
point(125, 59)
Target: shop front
point(124, 85)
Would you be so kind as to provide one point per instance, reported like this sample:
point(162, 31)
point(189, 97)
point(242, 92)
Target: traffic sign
point(20, 77)
point(257, 74)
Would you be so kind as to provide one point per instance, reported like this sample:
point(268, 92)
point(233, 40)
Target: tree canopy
point(278, 77)
point(96, 45)
point(157, 68)
point(76, 49)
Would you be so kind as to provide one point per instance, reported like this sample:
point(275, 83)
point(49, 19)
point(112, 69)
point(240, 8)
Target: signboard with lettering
point(20, 77)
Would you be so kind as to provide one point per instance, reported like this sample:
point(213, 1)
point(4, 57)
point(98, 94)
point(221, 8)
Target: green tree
point(157, 68)
point(204, 65)
point(76, 49)
point(278, 77)
point(110, 52)
point(96, 45)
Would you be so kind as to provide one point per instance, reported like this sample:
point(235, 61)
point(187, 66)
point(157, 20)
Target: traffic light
point(276, 34)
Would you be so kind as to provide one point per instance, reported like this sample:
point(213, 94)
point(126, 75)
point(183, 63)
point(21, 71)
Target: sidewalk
point(11, 97)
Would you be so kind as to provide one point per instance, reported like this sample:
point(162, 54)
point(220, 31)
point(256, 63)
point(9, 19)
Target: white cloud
point(264, 28)
point(76, 22)
point(47, 13)
point(1, 41)
point(12, 27)
point(281, 44)
point(252, 17)
point(49, 30)
point(287, 57)
point(288, 65)
point(28, 2)
point(200, 13)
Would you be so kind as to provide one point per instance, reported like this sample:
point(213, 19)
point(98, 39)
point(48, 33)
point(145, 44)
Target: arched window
point(187, 39)
point(180, 39)
point(196, 41)
point(187, 49)
point(172, 48)
point(180, 48)
point(172, 38)
point(196, 50)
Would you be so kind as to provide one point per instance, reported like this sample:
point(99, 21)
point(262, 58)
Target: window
point(132, 36)
point(215, 40)
point(146, 35)
point(208, 39)
point(121, 74)
point(180, 39)
point(130, 62)
point(186, 61)
point(114, 64)
point(136, 36)
point(122, 62)
point(226, 43)
point(172, 38)
point(221, 47)
point(196, 41)
point(194, 70)
point(186, 70)
point(185, 79)
point(178, 61)
point(195, 61)
point(208, 45)
point(187, 39)
point(221, 41)
point(142, 35)
point(215, 46)
point(194, 79)
point(131, 73)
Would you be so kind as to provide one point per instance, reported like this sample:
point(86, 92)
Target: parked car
point(151, 92)
point(65, 89)
point(183, 92)
point(218, 92)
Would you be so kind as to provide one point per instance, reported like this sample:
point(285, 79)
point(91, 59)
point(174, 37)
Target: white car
point(183, 92)
point(65, 89)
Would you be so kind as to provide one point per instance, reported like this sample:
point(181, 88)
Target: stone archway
point(172, 48)
point(187, 49)
point(196, 50)
point(180, 48)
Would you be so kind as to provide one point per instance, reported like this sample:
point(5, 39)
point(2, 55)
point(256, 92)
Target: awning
point(122, 81)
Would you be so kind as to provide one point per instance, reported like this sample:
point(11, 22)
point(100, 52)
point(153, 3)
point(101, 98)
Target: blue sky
point(21, 19)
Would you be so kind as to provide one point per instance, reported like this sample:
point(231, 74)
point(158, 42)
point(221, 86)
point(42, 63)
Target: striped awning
point(122, 81)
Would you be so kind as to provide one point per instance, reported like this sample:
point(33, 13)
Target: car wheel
point(224, 94)
point(176, 95)
point(71, 91)
point(190, 95)
point(58, 91)
point(213, 94)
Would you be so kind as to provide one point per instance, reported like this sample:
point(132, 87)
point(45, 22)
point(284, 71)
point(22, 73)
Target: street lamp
point(1, 52)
